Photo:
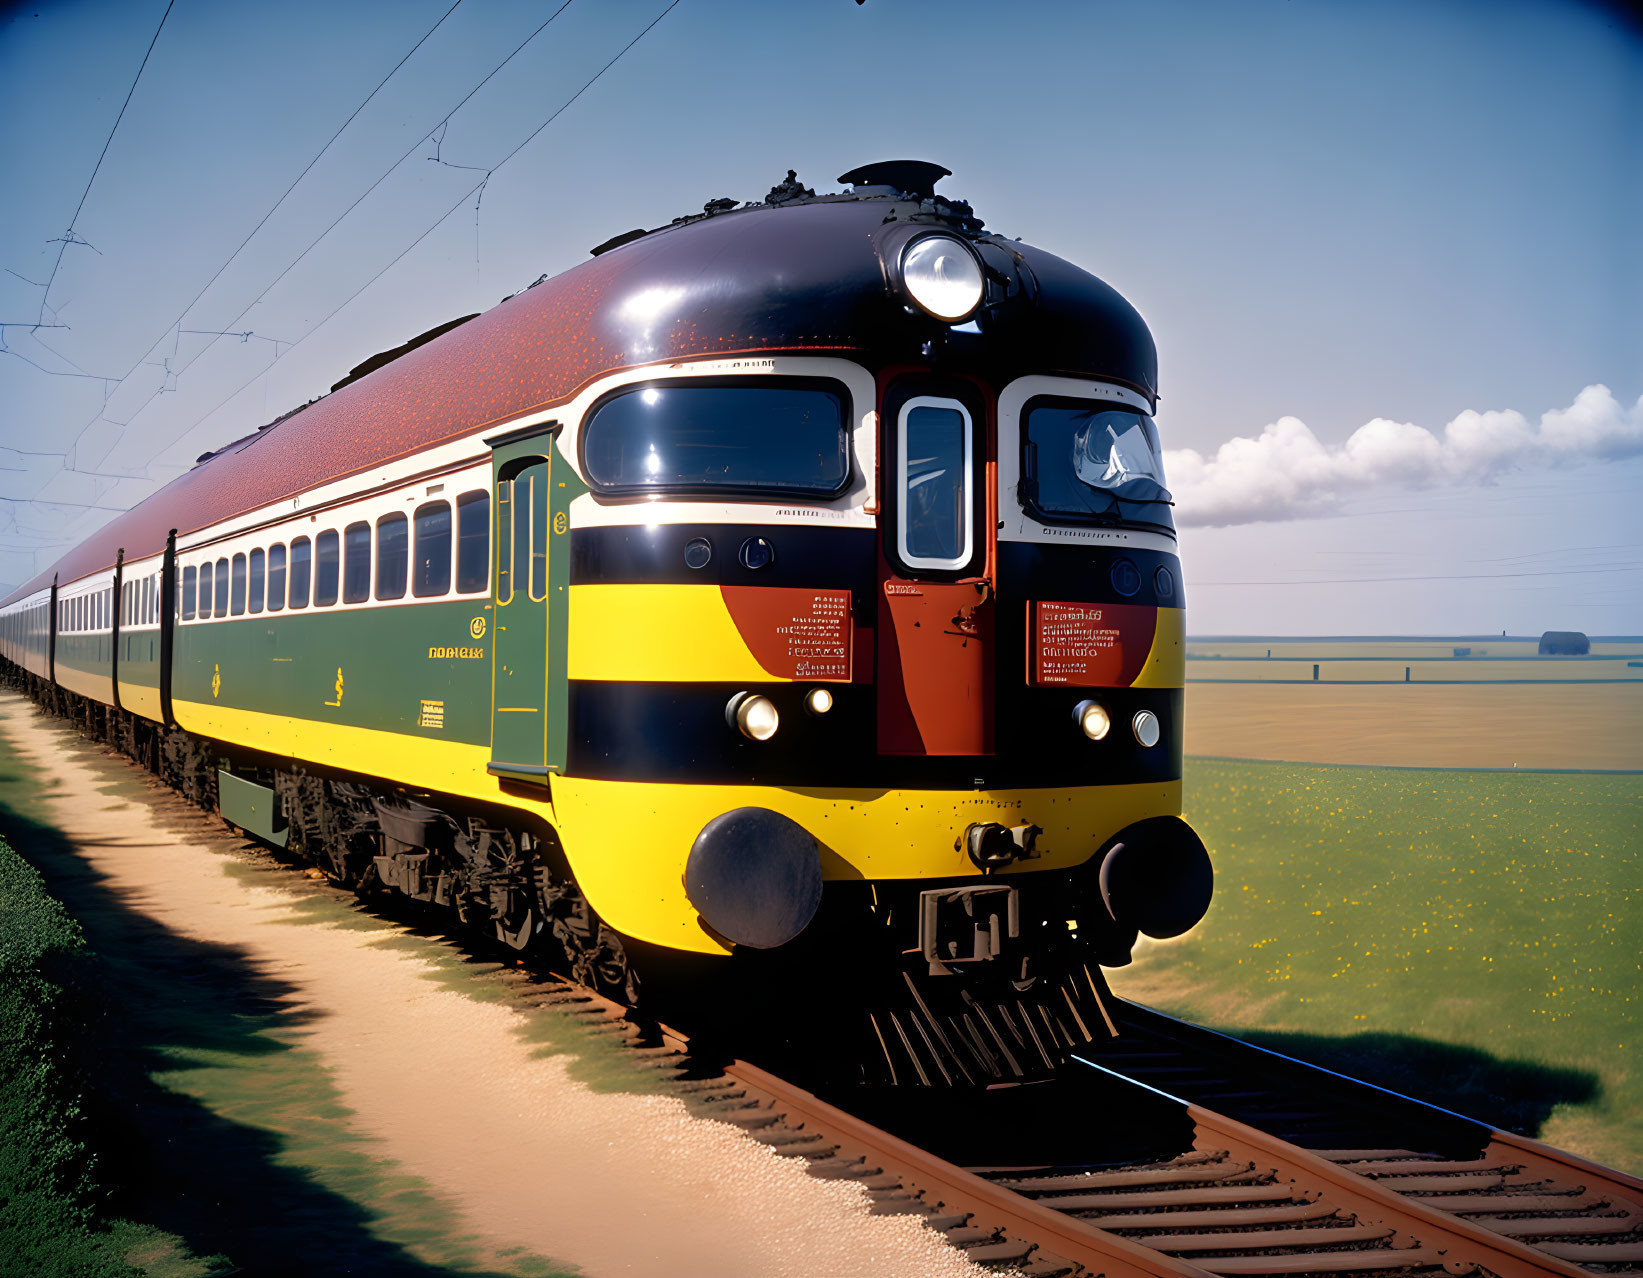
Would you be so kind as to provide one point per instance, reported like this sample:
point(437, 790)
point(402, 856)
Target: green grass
point(50, 1197)
point(1470, 937)
point(207, 1102)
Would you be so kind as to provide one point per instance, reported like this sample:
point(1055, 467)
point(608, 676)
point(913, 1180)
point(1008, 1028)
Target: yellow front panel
point(1166, 665)
point(657, 634)
point(628, 841)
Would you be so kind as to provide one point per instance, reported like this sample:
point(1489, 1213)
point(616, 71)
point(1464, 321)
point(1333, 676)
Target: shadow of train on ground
point(172, 1010)
point(169, 1007)
point(1518, 1096)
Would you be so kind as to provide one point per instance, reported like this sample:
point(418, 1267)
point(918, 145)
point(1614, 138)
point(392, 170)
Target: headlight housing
point(943, 276)
point(753, 715)
point(1093, 719)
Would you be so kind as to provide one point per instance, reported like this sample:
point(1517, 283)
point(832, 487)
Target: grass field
point(1537, 725)
point(53, 1210)
point(1433, 649)
point(1473, 938)
point(1463, 660)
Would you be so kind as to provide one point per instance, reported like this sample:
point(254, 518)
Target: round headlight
point(1093, 719)
point(942, 276)
point(818, 701)
point(753, 715)
point(1146, 728)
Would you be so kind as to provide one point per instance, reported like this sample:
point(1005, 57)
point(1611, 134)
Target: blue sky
point(1340, 214)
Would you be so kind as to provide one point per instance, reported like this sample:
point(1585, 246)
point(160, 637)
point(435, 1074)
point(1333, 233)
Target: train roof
point(795, 272)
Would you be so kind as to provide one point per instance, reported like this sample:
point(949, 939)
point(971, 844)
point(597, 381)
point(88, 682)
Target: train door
point(522, 469)
point(530, 603)
point(936, 606)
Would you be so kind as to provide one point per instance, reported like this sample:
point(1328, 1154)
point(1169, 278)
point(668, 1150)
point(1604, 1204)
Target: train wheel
point(509, 881)
point(595, 953)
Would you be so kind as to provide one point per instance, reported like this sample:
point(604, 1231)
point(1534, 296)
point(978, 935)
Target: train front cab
point(925, 683)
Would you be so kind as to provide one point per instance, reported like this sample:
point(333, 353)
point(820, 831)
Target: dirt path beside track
point(427, 1069)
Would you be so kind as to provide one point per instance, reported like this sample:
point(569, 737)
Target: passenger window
point(302, 561)
point(327, 559)
point(504, 541)
point(473, 542)
point(538, 507)
point(356, 563)
point(935, 490)
point(530, 531)
point(205, 592)
point(148, 601)
point(276, 577)
point(221, 605)
point(393, 536)
point(432, 575)
point(254, 602)
point(237, 604)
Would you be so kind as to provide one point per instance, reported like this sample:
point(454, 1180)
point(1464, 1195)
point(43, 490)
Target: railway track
point(1163, 1149)
point(1235, 1198)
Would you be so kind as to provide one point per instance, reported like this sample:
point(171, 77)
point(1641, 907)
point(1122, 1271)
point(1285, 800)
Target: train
point(786, 595)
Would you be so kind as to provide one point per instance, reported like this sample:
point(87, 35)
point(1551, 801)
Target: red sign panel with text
point(794, 633)
point(1090, 645)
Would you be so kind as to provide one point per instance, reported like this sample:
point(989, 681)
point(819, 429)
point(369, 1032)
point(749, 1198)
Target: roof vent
point(914, 177)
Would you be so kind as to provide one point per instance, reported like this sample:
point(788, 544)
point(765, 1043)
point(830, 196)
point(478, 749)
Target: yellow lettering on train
point(462, 654)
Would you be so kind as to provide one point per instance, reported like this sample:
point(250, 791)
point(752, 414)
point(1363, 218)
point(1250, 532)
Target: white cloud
point(1289, 473)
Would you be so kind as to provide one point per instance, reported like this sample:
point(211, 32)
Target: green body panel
point(88, 654)
point(414, 669)
point(140, 657)
point(250, 806)
point(565, 487)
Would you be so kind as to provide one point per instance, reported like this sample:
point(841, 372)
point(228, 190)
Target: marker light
point(753, 715)
point(942, 276)
point(1146, 728)
point(1093, 719)
point(818, 701)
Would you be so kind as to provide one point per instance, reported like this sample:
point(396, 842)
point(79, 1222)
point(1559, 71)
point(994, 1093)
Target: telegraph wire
point(586, 85)
point(162, 388)
point(479, 186)
point(318, 156)
point(69, 237)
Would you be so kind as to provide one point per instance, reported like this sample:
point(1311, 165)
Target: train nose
point(1157, 877)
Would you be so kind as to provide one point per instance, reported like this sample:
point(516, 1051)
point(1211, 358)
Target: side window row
point(139, 606)
point(419, 548)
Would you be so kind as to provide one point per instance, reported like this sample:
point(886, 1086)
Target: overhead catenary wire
point(229, 330)
point(461, 200)
point(162, 388)
point(275, 207)
point(69, 236)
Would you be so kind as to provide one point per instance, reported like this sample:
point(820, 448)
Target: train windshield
point(779, 437)
point(1089, 463)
